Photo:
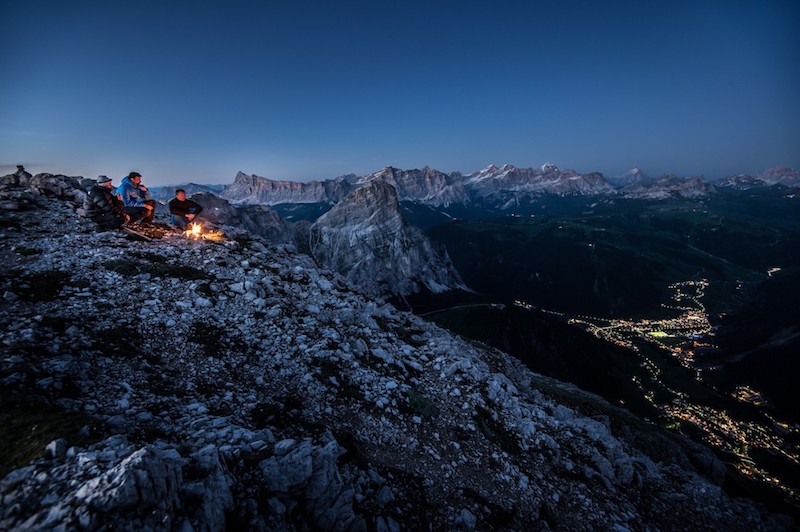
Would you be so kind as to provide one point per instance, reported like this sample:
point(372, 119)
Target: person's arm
point(144, 193)
point(124, 192)
point(197, 207)
point(93, 201)
point(176, 208)
point(118, 210)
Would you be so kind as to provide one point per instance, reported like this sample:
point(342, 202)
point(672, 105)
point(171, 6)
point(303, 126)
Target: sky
point(304, 90)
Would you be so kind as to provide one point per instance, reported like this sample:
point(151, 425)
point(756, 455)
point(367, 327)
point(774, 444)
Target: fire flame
point(194, 231)
point(197, 232)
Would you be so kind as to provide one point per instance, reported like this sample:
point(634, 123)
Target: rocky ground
point(197, 385)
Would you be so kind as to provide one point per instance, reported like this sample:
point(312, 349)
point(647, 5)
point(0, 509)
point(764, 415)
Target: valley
point(739, 432)
point(662, 298)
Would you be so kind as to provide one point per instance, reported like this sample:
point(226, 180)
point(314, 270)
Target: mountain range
point(500, 188)
point(361, 229)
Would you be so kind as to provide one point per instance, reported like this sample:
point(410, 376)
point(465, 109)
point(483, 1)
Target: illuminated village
point(682, 337)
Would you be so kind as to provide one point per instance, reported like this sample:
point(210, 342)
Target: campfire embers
point(196, 232)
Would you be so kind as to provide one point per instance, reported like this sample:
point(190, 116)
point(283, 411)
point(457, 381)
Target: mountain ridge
point(260, 190)
point(504, 186)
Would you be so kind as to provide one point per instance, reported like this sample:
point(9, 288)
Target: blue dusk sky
point(301, 90)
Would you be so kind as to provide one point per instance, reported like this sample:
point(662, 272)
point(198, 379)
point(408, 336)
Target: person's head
point(180, 194)
point(104, 181)
point(135, 177)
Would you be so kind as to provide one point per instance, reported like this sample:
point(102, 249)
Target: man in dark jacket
point(183, 210)
point(103, 207)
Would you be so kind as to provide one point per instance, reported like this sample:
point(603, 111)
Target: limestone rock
point(366, 238)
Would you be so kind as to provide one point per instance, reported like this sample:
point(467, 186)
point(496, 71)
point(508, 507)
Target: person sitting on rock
point(137, 200)
point(103, 207)
point(183, 210)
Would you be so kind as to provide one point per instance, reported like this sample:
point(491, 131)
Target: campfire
point(195, 232)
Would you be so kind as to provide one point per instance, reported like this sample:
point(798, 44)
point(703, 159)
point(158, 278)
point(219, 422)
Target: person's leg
point(180, 221)
point(196, 218)
point(148, 218)
point(136, 213)
point(108, 222)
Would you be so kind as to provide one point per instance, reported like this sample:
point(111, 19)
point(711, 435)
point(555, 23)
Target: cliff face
point(180, 384)
point(426, 186)
point(366, 239)
point(254, 189)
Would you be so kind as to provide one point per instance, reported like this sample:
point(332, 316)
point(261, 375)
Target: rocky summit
point(426, 186)
point(366, 238)
point(180, 384)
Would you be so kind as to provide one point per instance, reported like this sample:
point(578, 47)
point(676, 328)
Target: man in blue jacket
point(136, 198)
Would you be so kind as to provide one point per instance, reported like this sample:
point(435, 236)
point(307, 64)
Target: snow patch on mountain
point(497, 185)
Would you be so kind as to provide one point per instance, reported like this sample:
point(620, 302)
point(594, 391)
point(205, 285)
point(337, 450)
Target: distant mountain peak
point(781, 175)
point(635, 171)
point(260, 190)
point(549, 167)
point(387, 170)
point(426, 185)
point(376, 192)
point(366, 238)
point(631, 177)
